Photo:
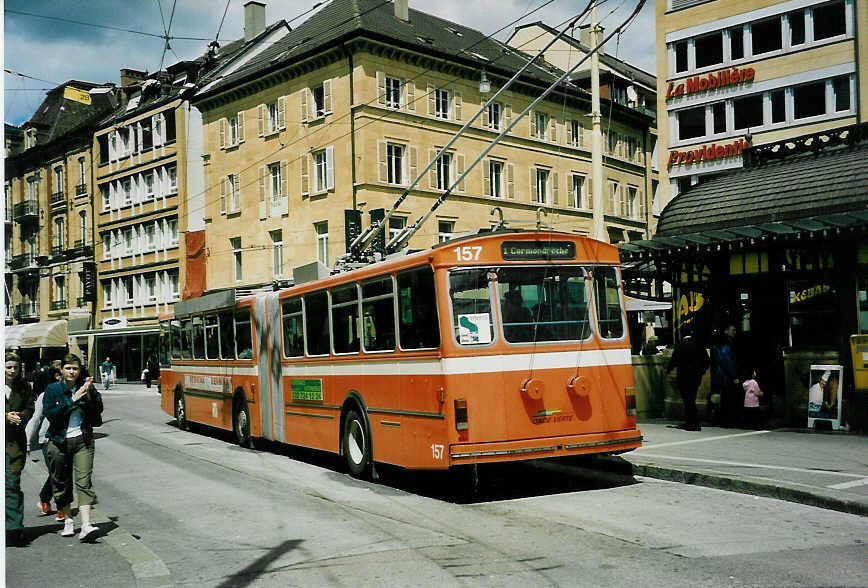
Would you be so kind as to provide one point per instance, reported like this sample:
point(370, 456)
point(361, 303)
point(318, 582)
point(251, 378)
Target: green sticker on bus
point(306, 390)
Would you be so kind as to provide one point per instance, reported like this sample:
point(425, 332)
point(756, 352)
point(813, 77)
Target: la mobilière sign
point(712, 81)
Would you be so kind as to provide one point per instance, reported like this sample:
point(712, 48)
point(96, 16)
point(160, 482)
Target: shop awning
point(36, 335)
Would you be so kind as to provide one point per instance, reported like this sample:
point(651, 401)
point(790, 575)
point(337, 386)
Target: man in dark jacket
point(19, 409)
point(691, 360)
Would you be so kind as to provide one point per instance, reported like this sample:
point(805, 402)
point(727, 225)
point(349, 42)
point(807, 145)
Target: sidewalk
point(825, 469)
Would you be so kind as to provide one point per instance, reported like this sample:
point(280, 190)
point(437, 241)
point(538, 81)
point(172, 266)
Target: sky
point(55, 51)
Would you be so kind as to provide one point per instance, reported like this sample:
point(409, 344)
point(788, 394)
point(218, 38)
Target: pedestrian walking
point(107, 371)
point(724, 377)
point(19, 410)
point(153, 370)
point(690, 360)
point(37, 437)
point(73, 407)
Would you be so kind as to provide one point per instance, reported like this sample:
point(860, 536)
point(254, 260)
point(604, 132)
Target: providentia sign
point(706, 153)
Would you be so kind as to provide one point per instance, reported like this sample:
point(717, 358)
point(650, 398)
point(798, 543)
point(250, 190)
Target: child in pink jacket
point(752, 394)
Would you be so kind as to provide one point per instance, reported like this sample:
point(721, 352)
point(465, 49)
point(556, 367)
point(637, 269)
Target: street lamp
point(484, 84)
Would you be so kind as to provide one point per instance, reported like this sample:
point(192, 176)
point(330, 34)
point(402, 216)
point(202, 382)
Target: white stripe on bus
point(434, 367)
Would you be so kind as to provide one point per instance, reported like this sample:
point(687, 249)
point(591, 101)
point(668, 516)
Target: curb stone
point(148, 569)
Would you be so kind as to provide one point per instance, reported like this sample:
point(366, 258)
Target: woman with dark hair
point(74, 408)
point(19, 409)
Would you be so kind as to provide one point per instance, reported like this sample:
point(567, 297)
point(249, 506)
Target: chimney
point(131, 77)
point(585, 35)
point(402, 11)
point(254, 19)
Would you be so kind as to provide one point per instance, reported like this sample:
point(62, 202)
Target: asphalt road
point(191, 508)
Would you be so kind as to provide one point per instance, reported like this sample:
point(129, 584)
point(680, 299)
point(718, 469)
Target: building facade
point(49, 215)
point(326, 118)
point(753, 72)
point(145, 199)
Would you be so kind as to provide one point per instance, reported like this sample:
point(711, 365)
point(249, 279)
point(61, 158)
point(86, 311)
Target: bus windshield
point(543, 303)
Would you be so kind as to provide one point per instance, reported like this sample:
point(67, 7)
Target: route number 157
point(468, 252)
point(437, 451)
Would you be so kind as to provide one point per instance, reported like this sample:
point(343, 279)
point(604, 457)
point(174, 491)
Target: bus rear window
point(608, 295)
point(316, 315)
point(243, 334)
point(378, 315)
point(543, 304)
point(470, 296)
point(417, 310)
point(293, 328)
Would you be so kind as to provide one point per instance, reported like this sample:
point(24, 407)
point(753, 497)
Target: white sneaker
point(68, 528)
point(89, 530)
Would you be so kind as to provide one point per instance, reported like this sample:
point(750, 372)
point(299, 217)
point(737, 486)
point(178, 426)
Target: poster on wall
point(824, 395)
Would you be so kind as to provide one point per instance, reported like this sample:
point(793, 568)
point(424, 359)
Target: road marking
point(758, 466)
point(147, 567)
point(701, 440)
point(852, 484)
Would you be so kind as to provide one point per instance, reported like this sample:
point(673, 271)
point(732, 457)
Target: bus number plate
point(310, 390)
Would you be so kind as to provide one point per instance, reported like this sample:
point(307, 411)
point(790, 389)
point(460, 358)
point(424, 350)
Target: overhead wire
point(101, 26)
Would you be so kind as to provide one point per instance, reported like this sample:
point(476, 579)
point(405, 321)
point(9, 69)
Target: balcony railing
point(81, 189)
point(27, 310)
point(57, 250)
point(81, 302)
point(25, 260)
point(26, 211)
point(57, 198)
point(58, 305)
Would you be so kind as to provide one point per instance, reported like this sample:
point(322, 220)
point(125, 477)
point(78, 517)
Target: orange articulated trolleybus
point(506, 345)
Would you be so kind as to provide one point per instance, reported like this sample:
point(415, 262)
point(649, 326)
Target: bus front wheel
point(180, 410)
point(356, 443)
point(241, 421)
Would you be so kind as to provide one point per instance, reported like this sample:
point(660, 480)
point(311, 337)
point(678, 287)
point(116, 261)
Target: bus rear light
point(461, 414)
point(630, 398)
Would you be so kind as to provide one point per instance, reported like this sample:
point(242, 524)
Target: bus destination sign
point(537, 250)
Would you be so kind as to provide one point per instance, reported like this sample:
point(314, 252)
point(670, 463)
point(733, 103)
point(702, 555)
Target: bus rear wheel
point(180, 410)
point(241, 423)
point(356, 444)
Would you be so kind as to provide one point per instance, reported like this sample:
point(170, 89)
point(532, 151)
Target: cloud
point(60, 51)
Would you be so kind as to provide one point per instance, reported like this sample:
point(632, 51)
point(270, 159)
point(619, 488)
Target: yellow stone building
point(737, 71)
point(344, 111)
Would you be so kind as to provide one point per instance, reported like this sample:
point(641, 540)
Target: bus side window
point(197, 334)
point(345, 318)
point(212, 337)
point(608, 295)
point(243, 334)
point(227, 335)
point(316, 316)
point(293, 328)
point(186, 342)
point(165, 343)
point(175, 336)
point(378, 315)
point(417, 309)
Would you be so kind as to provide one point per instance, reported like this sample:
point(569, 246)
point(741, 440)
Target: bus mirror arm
point(442, 395)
